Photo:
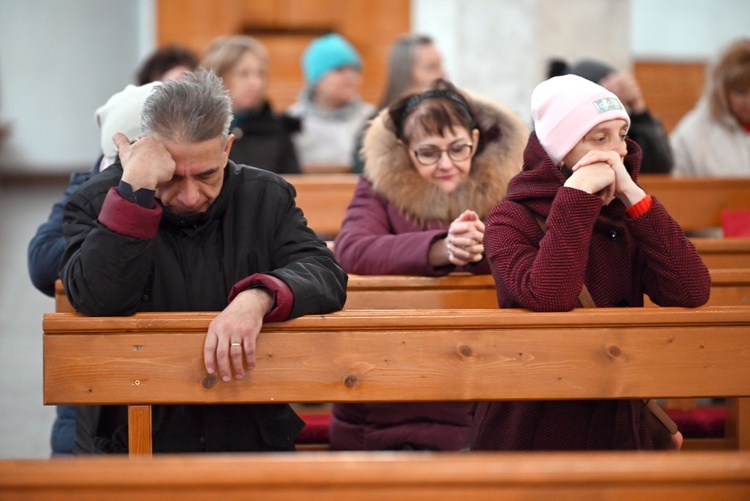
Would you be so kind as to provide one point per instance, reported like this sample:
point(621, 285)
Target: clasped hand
point(603, 174)
point(465, 239)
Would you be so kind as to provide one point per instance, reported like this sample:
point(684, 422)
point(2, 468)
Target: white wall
point(59, 61)
point(687, 29)
point(501, 47)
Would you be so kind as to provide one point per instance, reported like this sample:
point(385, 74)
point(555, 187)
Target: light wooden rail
point(695, 203)
point(406, 355)
point(729, 287)
point(379, 476)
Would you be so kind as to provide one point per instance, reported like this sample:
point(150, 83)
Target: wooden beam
point(376, 476)
point(360, 356)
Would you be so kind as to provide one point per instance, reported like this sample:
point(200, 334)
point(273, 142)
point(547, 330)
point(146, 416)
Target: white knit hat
point(566, 108)
point(122, 113)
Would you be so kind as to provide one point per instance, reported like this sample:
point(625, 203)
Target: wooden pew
point(403, 476)
point(456, 291)
point(695, 203)
point(463, 291)
point(729, 287)
point(324, 199)
point(406, 355)
point(723, 252)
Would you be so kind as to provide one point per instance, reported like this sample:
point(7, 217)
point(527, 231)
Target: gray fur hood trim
point(388, 167)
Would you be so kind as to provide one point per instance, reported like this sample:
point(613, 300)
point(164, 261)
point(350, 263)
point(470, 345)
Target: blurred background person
point(262, 138)
point(166, 63)
point(414, 63)
point(713, 139)
point(330, 106)
point(645, 129)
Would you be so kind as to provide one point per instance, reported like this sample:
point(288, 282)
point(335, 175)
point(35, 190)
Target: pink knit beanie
point(566, 108)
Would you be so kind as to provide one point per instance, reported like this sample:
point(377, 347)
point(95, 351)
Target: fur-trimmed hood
point(389, 169)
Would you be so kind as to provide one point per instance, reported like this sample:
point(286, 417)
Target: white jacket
point(704, 147)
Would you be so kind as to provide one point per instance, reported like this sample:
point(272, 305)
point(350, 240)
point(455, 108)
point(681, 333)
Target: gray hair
point(194, 109)
point(400, 63)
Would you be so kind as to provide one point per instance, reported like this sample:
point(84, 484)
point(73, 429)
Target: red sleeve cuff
point(284, 298)
point(127, 218)
point(641, 207)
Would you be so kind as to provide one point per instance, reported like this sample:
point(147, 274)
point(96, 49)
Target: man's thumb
point(120, 140)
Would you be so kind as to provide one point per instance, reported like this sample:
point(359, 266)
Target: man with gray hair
point(176, 226)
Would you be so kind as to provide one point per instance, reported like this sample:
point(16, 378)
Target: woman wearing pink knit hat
point(573, 222)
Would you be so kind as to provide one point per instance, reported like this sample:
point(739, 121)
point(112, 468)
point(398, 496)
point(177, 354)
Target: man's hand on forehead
point(146, 162)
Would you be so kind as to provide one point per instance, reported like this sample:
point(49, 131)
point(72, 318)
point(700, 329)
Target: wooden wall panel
point(671, 89)
point(286, 27)
point(195, 23)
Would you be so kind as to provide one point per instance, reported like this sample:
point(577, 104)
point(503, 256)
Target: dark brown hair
point(163, 60)
point(433, 112)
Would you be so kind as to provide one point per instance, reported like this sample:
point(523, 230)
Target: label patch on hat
point(608, 104)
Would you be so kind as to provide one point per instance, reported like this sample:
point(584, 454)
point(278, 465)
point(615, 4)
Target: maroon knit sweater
point(618, 258)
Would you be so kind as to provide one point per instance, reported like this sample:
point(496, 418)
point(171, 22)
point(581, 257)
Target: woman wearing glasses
point(435, 164)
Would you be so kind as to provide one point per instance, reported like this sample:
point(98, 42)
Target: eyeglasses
point(429, 155)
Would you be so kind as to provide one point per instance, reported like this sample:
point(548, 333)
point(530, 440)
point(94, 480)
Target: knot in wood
point(614, 351)
point(350, 381)
point(465, 351)
point(209, 382)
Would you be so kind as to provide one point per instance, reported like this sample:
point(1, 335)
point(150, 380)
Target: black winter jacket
point(263, 139)
point(253, 233)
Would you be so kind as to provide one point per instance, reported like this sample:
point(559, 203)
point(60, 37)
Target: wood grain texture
point(723, 252)
point(697, 203)
point(286, 27)
point(386, 475)
point(139, 422)
point(729, 287)
point(360, 356)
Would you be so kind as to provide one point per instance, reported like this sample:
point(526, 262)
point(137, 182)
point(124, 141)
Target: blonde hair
point(226, 52)
point(730, 72)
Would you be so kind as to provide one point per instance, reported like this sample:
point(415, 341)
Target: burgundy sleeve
point(367, 245)
point(127, 218)
point(283, 295)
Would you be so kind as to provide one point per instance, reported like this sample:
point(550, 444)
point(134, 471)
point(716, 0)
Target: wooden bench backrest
point(695, 203)
point(324, 199)
point(379, 476)
point(723, 252)
point(729, 287)
point(361, 356)
point(404, 355)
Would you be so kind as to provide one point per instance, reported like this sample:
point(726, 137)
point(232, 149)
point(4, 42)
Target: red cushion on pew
point(315, 430)
point(700, 422)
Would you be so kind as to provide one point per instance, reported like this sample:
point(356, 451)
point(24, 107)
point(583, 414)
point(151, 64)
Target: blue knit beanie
point(328, 53)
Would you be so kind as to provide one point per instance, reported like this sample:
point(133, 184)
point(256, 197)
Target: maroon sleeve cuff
point(283, 296)
point(127, 218)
